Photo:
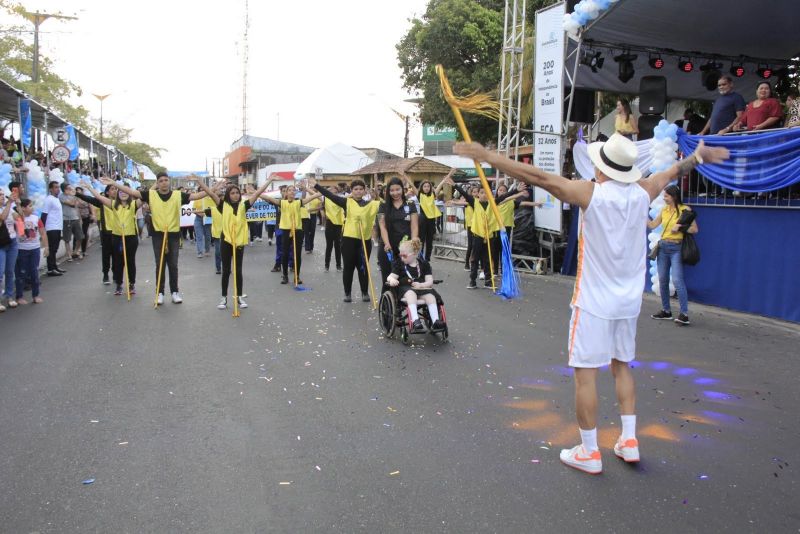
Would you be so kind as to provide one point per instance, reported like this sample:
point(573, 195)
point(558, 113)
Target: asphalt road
point(299, 417)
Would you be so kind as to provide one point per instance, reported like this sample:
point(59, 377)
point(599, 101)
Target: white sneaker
point(242, 303)
point(2, 308)
point(578, 458)
point(628, 450)
point(259, 239)
point(176, 298)
point(223, 303)
point(160, 299)
point(481, 276)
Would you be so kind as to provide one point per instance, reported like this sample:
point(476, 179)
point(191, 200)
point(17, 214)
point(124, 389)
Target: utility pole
point(101, 98)
point(244, 70)
point(37, 19)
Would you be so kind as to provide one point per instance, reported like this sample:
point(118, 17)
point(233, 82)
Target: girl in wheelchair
point(413, 278)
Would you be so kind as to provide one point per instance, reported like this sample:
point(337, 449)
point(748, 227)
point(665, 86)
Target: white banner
point(187, 215)
point(548, 108)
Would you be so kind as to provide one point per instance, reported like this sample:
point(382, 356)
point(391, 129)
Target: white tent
point(337, 158)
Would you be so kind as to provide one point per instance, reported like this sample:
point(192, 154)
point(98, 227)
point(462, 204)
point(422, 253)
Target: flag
point(25, 120)
point(72, 142)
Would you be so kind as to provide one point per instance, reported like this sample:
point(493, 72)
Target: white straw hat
point(616, 158)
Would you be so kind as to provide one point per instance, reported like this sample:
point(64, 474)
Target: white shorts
point(594, 341)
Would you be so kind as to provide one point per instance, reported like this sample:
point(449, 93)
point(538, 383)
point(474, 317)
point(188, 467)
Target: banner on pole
point(187, 215)
point(72, 142)
point(548, 108)
point(25, 120)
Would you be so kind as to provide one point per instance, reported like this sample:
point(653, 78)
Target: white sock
point(433, 310)
point(628, 426)
point(412, 309)
point(589, 439)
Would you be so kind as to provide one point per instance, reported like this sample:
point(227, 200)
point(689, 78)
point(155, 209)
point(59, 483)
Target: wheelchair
point(394, 317)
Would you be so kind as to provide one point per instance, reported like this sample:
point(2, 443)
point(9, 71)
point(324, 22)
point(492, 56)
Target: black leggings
point(270, 231)
point(353, 258)
point(427, 227)
point(333, 241)
point(469, 248)
point(106, 251)
point(86, 223)
point(131, 246)
point(480, 255)
point(226, 254)
point(288, 245)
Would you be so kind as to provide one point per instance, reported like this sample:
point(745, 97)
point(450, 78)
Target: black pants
point(468, 259)
point(187, 232)
point(309, 231)
point(256, 229)
point(353, 258)
point(270, 231)
point(53, 241)
point(333, 241)
point(226, 253)
point(427, 227)
point(85, 224)
point(497, 248)
point(291, 246)
point(131, 246)
point(106, 249)
point(480, 253)
point(170, 259)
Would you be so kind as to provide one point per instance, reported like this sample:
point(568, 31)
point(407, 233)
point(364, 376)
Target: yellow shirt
point(166, 215)
point(235, 223)
point(363, 216)
point(668, 219)
point(216, 218)
point(469, 214)
point(291, 216)
point(110, 219)
point(506, 210)
point(334, 213)
point(125, 218)
point(483, 218)
point(623, 127)
point(428, 205)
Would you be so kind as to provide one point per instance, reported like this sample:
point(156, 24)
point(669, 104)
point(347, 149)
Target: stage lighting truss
point(593, 59)
point(626, 69)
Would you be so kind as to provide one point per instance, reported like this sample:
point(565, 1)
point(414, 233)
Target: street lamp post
point(37, 19)
point(101, 98)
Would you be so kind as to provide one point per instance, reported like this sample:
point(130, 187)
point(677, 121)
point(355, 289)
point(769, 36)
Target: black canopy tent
point(724, 31)
point(42, 118)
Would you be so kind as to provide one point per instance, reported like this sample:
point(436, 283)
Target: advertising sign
point(548, 108)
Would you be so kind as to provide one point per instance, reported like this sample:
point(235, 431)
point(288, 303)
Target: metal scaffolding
point(508, 129)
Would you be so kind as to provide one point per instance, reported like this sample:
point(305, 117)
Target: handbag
point(654, 253)
point(5, 237)
point(690, 252)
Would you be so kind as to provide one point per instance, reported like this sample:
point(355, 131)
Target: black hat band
point(615, 166)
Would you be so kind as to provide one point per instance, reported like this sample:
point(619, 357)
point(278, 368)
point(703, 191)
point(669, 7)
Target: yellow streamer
point(476, 104)
point(160, 268)
point(233, 260)
point(369, 271)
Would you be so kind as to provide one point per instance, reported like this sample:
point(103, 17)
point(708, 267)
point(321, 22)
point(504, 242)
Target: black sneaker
point(347, 299)
point(437, 326)
point(219, 272)
point(62, 271)
point(417, 326)
point(487, 284)
point(284, 280)
point(466, 267)
point(338, 267)
point(327, 268)
point(276, 269)
point(53, 273)
point(118, 290)
point(682, 318)
point(472, 285)
point(365, 298)
point(106, 281)
point(662, 315)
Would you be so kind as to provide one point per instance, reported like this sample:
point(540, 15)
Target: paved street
point(299, 417)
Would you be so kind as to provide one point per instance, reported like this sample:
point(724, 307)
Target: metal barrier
point(451, 244)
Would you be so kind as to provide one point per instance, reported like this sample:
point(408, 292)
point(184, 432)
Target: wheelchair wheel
point(386, 313)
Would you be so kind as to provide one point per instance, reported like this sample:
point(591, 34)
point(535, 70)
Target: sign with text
point(548, 108)
point(431, 132)
point(187, 215)
point(261, 210)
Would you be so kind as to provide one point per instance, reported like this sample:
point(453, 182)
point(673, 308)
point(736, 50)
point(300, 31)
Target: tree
point(466, 37)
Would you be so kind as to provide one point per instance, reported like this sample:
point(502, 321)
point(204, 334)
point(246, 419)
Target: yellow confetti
point(284, 483)
point(394, 473)
point(391, 409)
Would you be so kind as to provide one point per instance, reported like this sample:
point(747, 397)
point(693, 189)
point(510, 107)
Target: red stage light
point(686, 65)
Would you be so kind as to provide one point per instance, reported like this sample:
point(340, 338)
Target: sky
point(319, 71)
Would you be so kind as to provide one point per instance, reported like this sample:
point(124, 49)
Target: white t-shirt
point(30, 241)
point(55, 215)
point(612, 251)
point(12, 228)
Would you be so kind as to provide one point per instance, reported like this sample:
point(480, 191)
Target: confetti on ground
point(702, 477)
point(394, 473)
point(534, 461)
point(285, 483)
point(122, 443)
point(94, 421)
point(391, 409)
point(88, 481)
point(317, 468)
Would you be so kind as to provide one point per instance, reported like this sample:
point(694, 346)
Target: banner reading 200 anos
point(548, 108)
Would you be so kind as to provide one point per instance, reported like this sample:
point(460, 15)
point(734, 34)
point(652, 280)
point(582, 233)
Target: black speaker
point(647, 124)
point(652, 95)
point(582, 106)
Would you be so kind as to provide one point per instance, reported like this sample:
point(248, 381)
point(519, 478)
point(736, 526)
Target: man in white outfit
point(608, 290)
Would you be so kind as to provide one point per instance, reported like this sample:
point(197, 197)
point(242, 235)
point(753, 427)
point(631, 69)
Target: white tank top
point(612, 251)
